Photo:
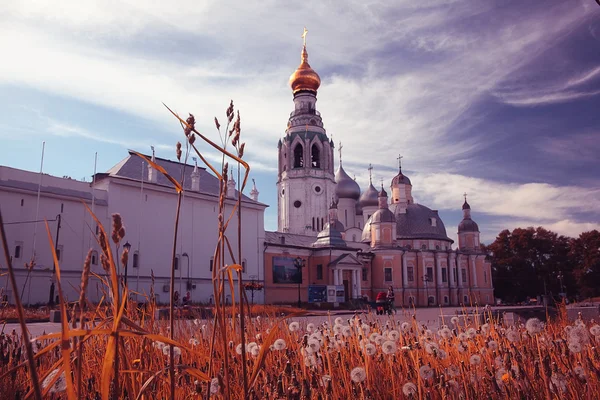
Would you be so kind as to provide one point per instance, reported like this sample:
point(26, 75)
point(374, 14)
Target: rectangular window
point(365, 274)
point(410, 272)
point(388, 274)
point(95, 258)
point(319, 271)
point(59, 253)
point(211, 264)
point(136, 260)
point(429, 274)
point(244, 266)
point(485, 276)
point(176, 263)
point(18, 251)
point(464, 275)
point(444, 275)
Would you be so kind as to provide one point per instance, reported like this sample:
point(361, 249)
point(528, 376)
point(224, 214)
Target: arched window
point(315, 156)
point(298, 156)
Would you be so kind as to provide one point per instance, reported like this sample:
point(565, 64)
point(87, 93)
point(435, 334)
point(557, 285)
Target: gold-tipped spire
point(305, 78)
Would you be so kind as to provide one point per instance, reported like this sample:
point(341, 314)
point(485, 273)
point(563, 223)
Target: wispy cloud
point(578, 148)
point(540, 201)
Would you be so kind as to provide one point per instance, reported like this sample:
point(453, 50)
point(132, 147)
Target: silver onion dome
point(346, 187)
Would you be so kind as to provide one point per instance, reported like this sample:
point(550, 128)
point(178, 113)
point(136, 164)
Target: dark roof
point(369, 197)
point(306, 135)
point(290, 239)
point(468, 225)
point(351, 260)
point(382, 215)
point(466, 206)
point(30, 186)
point(346, 187)
point(416, 223)
point(330, 237)
point(131, 168)
point(401, 178)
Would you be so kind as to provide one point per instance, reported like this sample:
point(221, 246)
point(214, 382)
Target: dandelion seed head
point(294, 326)
point(370, 349)
point(389, 347)
point(280, 344)
point(409, 389)
point(426, 372)
point(475, 359)
point(533, 326)
point(358, 374)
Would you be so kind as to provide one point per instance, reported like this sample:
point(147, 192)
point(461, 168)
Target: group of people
point(386, 300)
point(185, 301)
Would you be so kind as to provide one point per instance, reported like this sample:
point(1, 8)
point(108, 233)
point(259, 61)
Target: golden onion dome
point(305, 78)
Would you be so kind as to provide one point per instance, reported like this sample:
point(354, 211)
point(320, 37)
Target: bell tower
point(305, 179)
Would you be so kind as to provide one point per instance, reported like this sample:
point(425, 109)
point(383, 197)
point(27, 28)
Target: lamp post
point(127, 247)
point(560, 277)
point(299, 264)
point(427, 278)
point(187, 258)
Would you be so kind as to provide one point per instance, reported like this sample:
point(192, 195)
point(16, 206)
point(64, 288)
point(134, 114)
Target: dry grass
point(124, 353)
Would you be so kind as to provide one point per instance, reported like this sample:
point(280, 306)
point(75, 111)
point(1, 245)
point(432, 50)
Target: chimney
point(195, 177)
point(152, 173)
point(254, 192)
point(231, 188)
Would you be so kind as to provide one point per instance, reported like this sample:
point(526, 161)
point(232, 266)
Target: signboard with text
point(317, 294)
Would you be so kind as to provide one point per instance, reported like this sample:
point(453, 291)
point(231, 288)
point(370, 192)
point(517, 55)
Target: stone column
point(438, 265)
point(404, 275)
point(359, 282)
point(335, 277)
point(474, 271)
point(355, 283)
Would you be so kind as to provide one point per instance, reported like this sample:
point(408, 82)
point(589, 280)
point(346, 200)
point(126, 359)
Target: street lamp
point(427, 278)
point(560, 277)
point(299, 264)
point(127, 247)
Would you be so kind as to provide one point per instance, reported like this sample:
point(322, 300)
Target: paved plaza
point(427, 316)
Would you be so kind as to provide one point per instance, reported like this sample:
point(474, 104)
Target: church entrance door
point(346, 293)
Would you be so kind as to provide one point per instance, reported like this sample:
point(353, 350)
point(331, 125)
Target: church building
point(331, 233)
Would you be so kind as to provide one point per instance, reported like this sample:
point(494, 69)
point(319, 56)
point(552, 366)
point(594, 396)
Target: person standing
point(391, 297)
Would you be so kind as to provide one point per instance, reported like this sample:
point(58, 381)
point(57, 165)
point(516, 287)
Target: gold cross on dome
point(370, 174)
point(465, 196)
point(340, 151)
point(304, 35)
point(399, 161)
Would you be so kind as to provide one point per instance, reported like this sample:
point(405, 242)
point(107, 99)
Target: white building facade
point(147, 202)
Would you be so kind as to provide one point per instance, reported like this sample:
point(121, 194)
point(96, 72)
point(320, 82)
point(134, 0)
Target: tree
point(528, 262)
point(585, 255)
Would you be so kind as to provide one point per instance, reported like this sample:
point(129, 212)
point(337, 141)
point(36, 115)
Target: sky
point(496, 98)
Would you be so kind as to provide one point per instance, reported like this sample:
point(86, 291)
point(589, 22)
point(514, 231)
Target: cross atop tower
point(382, 183)
point(370, 174)
point(340, 151)
point(399, 162)
point(304, 35)
point(465, 196)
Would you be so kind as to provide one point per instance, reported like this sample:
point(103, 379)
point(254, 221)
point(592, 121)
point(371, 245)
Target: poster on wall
point(335, 294)
point(284, 270)
point(317, 294)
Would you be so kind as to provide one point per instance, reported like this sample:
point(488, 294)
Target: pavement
point(427, 316)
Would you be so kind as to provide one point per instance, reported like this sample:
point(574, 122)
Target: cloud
point(539, 201)
point(104, 56)
point(577, 148)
